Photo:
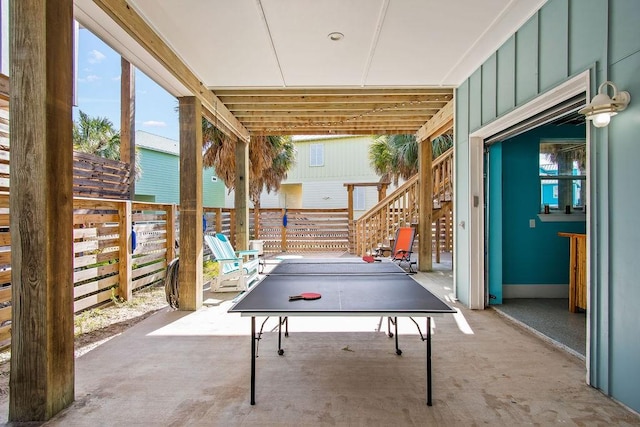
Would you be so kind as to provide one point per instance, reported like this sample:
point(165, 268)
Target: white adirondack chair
point(237, 269)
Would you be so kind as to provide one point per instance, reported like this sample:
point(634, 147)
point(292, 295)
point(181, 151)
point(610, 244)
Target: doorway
point(489, 280)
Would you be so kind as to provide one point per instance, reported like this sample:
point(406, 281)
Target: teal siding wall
point(160, 180)
point(527, 61)
point(212, 192)
point(587, 34)
point(494, 222)
point(489, 70)
point(623, 206)
point(531, 255)
point(506, 90)
point(564, 38)
point(160, 176)
point(554, 31)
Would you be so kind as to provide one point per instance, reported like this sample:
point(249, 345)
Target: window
point(316, 155)
point(562, 171)
point(358, 199)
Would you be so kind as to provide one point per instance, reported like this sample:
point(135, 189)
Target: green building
point(160, 179)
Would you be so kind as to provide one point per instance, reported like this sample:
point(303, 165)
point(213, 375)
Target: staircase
point(378, 226)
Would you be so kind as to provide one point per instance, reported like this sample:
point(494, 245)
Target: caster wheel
point(399, 352)
point(390, 334)
point(286, 334)
point(280, 352)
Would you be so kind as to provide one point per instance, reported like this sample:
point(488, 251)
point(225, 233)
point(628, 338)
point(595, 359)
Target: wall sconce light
point(601, 107)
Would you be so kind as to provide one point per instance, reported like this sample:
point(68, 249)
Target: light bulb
point(601, 120)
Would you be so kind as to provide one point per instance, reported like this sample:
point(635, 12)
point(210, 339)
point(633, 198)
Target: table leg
point(286, 326)
point(429, 361)
point(280, 350)
point(395, 323)
point(253, 360)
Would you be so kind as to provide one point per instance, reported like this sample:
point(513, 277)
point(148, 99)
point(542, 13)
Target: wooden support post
point(232, 227)
point(125, 290)
point(256, 223)
point(127, 122)
point(425, 203)
point(437, 241)
point(218, 220)
point(191, 256)
point(382, 190)
point(41, 203)
point(350, 211)
point(172, 214)
point(242, 196)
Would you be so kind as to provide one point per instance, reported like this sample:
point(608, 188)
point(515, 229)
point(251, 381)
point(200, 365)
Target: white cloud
point(155, 124)
point(116, 78)
point(95, 57)
point(89, 79)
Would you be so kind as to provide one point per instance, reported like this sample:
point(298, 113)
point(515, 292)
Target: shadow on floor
point(550, 318)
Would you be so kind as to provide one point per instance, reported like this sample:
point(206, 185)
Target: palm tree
point(97, 136)
point(395, 157)
point(282, 154)
point(270, 159)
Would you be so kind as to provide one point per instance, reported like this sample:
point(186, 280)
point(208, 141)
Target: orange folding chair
point(403, 247)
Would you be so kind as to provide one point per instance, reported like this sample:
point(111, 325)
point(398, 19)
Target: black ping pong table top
point(347, 288)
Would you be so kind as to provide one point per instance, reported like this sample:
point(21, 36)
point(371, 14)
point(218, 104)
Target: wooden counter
point(577, 270)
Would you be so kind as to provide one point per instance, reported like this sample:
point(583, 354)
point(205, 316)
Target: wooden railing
point(379, 224)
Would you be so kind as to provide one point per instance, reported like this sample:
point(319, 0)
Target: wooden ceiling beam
point(340, 131)
point(242, 115)
point(439, 124)
point(253, 121)
point(353, 126)
point(310, 106)
point(338, 99)
point(331, 92)
point(129, 20)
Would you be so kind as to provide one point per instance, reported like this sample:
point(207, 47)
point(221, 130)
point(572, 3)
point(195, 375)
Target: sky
point(99, 90)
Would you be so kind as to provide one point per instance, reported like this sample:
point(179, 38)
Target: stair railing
point(377, 227)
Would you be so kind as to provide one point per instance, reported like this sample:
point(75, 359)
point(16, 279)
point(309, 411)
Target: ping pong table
point(348, 287)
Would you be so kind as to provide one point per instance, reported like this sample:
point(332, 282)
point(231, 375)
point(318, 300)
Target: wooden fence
point(105, 263)
point(307, 230)
point(98, 177)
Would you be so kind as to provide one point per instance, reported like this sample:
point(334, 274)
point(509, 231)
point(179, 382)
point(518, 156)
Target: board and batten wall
point(563, 39)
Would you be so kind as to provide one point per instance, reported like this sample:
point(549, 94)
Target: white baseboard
point(535, 291)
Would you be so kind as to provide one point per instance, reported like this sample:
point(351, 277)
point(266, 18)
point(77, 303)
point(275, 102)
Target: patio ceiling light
point(601, 107)
point(335, 36)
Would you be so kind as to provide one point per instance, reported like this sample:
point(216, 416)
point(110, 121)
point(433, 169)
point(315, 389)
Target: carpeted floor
point(551, 318)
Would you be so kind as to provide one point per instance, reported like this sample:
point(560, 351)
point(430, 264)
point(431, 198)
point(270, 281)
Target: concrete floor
point(192, 369)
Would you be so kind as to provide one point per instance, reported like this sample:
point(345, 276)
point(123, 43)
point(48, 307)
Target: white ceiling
point(284, 43)
point(273, 66)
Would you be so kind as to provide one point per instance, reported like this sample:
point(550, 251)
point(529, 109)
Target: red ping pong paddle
point(305, 295)
point(368, 258)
